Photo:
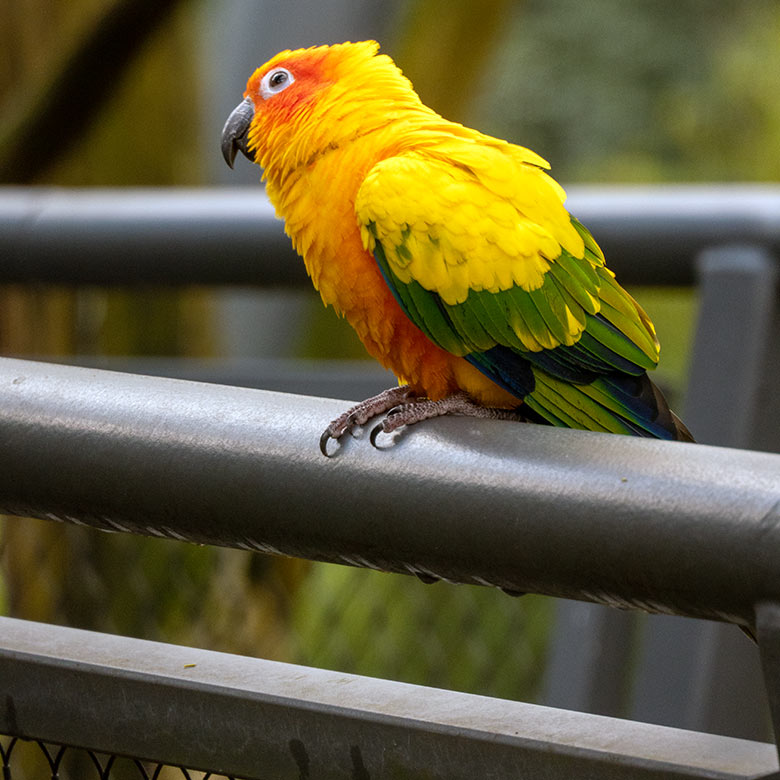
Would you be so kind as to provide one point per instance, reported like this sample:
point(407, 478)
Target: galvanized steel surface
point(662, 526)
point(257, 719)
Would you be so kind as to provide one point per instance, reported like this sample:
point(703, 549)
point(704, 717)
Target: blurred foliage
point(649, 91)
point(464, 637)
point(37, 321)
point(606, 90)
point(444, 46)
point(70, 102)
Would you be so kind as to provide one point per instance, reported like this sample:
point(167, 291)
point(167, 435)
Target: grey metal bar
point(651, 235)
point(143, 236)
point(700, 675)
point(257, 719)
point(657, 525)
point(737, 299)
point(354, 379)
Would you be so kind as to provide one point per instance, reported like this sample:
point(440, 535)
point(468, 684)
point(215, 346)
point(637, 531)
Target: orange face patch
point(308, 72)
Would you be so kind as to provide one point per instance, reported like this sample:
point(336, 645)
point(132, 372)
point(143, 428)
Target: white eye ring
point(275, 81)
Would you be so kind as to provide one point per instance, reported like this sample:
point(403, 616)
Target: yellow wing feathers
point(463, 217)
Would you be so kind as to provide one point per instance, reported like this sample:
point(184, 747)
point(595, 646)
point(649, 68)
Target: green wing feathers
point(528, 301)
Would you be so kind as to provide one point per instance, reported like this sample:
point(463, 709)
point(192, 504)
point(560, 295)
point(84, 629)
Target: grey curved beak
point(234, 133)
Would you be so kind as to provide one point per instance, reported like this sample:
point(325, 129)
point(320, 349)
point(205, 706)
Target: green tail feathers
point(613, 404)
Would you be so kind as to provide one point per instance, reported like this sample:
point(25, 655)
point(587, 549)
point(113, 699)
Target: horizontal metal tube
point(252, 718)
point(656, 525)
point(355, 379)
point(230, 236)
point(144, 236)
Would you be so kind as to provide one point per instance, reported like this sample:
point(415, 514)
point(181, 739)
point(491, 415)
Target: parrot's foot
point(363, 412)
point(459, 404)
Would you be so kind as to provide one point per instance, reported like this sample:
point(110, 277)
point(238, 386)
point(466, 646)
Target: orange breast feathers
point(318, 205)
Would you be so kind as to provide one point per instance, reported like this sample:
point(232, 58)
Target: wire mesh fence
point(23, 759)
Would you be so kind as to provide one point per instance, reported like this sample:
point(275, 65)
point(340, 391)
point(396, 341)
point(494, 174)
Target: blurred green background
point(133, 93)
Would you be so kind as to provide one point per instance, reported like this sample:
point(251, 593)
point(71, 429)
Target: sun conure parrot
point(448, 251)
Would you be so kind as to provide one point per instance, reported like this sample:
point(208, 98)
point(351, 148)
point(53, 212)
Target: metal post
point(588, 667)
point(768, 630)
point(737, 303)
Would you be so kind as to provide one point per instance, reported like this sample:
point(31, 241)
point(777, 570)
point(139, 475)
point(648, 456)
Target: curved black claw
point(324, 439)
point(375, 431)
point(383, 428)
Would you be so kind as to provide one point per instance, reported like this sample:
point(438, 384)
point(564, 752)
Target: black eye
point(277, 79)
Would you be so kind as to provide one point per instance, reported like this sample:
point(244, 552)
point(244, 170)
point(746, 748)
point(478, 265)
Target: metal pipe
point(650, 235)
point(252, 718)
point(661, 526)
point(143, 236)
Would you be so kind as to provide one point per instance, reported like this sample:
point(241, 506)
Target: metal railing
point(651, 235)
point(574, 514)
point(258, 719)
point(692, 530)
point(685, 529)
point(680, 529)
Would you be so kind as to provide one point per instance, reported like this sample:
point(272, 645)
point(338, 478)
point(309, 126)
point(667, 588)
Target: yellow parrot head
point(302, 102)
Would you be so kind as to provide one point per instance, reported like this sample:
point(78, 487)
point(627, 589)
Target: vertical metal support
point(766, 419)
point(700, 675)
point(671, 652)
point(737, 301)
point(589, 658)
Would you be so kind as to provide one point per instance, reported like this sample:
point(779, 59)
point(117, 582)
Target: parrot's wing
point(491, 267)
